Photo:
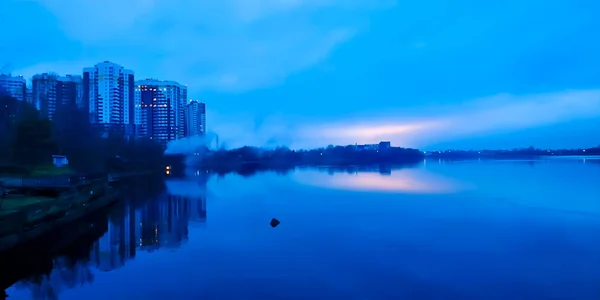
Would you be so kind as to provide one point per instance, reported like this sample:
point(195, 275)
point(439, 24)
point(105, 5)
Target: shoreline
point(30, 222)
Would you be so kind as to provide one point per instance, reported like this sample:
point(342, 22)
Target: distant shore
point(249, 160)
point(283, 158)
point(527, 153)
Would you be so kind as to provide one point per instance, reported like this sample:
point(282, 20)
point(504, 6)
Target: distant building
point(43, 90)
point(14, 86)
point(70, 90)
point(159, 110)
point(381, 146)
point(195, 115)
point(108, 95)
point(385, 145)
point(50, 91)
point(367, 147)
point(29, 96)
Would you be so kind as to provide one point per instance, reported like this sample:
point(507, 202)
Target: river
point(439, 230)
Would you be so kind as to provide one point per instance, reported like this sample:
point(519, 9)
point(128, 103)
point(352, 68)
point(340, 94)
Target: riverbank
point(25, 218)
point(112, 177)
point(37, 206)
point(11, 203)
point(31, 260)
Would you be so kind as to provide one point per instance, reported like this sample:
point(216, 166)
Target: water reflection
point(148, 219)
point(334, 243)
point(63, 263)
point(66, 274)
point(381, 179)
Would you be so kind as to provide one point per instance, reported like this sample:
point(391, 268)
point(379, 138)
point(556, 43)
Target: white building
point(108, 94)
point(14, 86)
point(160, 109)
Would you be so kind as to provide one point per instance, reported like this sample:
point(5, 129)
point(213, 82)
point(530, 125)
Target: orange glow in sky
point(372, 133)
point(379, 130)
point(500, 113)
point(409, 181)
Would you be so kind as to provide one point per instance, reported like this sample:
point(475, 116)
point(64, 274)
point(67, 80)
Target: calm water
point(461, 230)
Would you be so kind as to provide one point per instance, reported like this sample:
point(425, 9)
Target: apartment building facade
point(109, 97)
point(195, 118)
point(160, 109)
point(14, 86)
point(49, 91)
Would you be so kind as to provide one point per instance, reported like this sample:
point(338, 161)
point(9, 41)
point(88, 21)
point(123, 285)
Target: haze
point(307, 73)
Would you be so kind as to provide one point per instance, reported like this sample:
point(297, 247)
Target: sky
point(431, 74)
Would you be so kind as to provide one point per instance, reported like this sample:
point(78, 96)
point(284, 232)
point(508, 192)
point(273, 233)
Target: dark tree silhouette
point(247, 160)
point(28, 141)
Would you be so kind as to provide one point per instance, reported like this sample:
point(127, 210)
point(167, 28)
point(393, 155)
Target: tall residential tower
point(160, 109)
point(195, 112)
point(108, 95)
point(50, 91)
point(14, 86)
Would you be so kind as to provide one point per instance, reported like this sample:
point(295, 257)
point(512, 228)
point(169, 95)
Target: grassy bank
point(25, 218)
point(18, 202)
point(51, 171)
point(124, 174)
point(9, 171)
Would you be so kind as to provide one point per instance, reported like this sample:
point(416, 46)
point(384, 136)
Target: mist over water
point(192, 144)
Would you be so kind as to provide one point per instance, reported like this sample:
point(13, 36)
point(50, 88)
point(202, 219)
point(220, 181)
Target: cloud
point(420, 127)
point(227, 45)
point(496, 114)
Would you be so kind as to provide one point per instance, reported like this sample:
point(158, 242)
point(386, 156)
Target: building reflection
point(381, 179)
point(55, 262)
point(159, 221)
point(65, 275)
point(385, 169)
point(382, 169)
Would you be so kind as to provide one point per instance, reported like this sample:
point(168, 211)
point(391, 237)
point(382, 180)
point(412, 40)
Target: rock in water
point(274, 222)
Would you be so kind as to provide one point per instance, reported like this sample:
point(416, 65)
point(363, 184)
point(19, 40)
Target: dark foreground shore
point(30, 260)
point(35, 208)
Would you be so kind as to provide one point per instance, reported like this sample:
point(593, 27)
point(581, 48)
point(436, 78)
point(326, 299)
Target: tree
point(15, 115)
point(77, 139)
point(7, 120)
point(33, 145)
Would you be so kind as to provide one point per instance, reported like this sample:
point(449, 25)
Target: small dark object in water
point(274, 222)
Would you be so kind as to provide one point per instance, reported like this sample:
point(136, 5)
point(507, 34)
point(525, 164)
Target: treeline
point(283, 158)
point(515, 153)
point(28, 141)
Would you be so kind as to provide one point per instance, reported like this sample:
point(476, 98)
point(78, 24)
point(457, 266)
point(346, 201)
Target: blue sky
point(306, 73)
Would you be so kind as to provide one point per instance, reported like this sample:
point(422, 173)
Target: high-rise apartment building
point(109, 96)
point(14, 86)
point(29, 96)
point(50, 91)
point(160, 109)
point(195, 112)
